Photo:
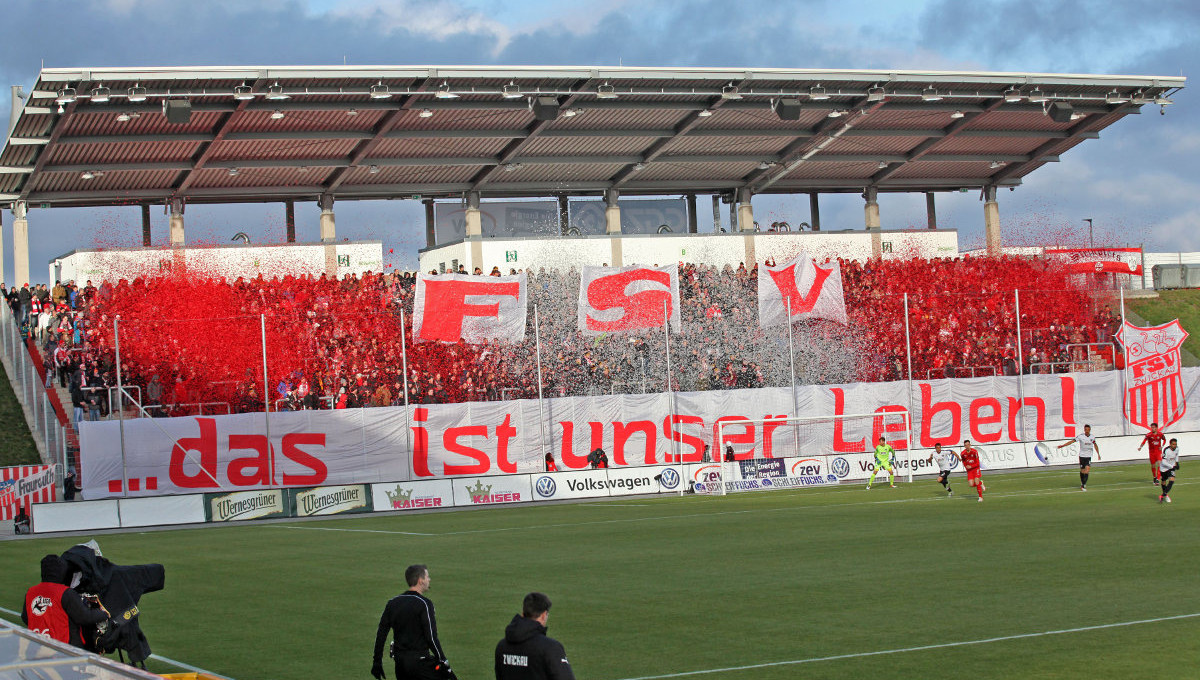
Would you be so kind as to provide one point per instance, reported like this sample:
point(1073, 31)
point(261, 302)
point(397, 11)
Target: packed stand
point(194, 345)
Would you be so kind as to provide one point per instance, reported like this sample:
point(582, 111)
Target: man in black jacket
point(526, 653)
point(413, 623)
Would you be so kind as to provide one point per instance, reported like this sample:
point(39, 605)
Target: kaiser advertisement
point(413, 495)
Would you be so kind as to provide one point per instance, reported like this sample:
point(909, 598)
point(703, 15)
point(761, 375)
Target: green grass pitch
point(669, 585)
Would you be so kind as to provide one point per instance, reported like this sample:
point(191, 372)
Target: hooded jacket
point(526, 653)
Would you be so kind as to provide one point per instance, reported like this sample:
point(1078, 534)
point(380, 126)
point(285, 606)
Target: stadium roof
point(89, 137)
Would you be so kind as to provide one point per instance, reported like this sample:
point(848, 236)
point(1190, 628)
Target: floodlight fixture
point(276, 114)
point(512, 91)
point(275, 92)
point(122, 117)
point(444, 92)
point(380, 91)
point(875, 94)
point(1037, 96)
point(233, 172)
point(100, 94)
point(817, 93)
point(425, 113)
point(243, 92)
point(137, 94)
point(1012, 95)
point(1115, 97)
point(730, 91)
point(65, 96)
point(705, 113)
point(957, 114)
point(606, 91)
point(930, 94)
point(87, 174)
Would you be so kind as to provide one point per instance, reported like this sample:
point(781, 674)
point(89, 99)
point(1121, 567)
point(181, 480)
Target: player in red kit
point(970, 461)
point(1155, 439)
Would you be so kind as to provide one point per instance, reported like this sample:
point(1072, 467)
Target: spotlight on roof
point(930, 94)
point(122, 117)
point(243, 92)
point(837, 113)
point(957, 114)
point(380, 91)
point(425, 113)
point(87, 174)
point(1037, 96)
point(1139, 98)
point(883, 165)
point(1162, 100)
point(233, 172)
point(639, 166)
point(374, 169)
point(509, 167)
point(351, 112)
point(1115, 97)
point(996, 164)
point(137, 94)
point(100, 94)
point(765, 165)
point(817, 93)
point(276, 115)
point(571, 113)
point(730, 91)
point(444, 92)
point(705, 113)
point(512, 91)
point(606, 91)
point(1012, 95)
point(65, 96)
point(875, 94)
point(276, 92)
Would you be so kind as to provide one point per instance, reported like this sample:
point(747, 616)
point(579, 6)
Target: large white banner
point(621, 299)
point(453, 307)
point(800, 289)
point(315, 448)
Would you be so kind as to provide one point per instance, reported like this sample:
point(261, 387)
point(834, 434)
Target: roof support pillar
point(430, 224)
point(474, 232)
point(612, 225)
point(176, 222)
point(20, 211)
point(289, 218)
point(871, 217)
point(991, 220)
point(716, 201)
point(691, 213)
point(564, 216)
point(328, 224)
point(814, 211)
point(745, 212)
point(930, 210)
point(146, 225)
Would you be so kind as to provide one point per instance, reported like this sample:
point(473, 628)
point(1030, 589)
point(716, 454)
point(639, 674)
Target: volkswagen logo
point(669, 478)
point(841, 467)
point(545, 487)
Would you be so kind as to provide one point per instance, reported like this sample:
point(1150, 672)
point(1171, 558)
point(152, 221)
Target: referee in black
point(411, 619)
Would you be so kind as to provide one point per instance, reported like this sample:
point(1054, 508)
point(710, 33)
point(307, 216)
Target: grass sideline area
point(653, 587)
point(16, 446)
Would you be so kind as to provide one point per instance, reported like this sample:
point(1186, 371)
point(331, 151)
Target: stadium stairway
point(58, 397)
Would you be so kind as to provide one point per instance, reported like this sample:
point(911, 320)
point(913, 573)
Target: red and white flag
point(453, 307)
point(621, 299)
point(1154, 389)
point(812, 291)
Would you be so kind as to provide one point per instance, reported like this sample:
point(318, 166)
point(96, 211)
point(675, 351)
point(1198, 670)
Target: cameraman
point(413, 623)
point(526, 653)
point(56, 611)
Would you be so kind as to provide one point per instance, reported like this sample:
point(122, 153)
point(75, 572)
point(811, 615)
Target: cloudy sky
point(1140, 182)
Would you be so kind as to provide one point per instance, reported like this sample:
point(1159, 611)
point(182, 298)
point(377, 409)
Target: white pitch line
point(355, 531)
point(922, 648)
point(1118, 486)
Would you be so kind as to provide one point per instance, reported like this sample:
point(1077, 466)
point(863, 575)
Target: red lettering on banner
point(1068, 406)
point(293, 452)
point(840, 445)
point(623, 431)
point(672, 434)
point(571, 461)
point(929, 410)
point(1016, 406)
point(643, 309)
point(768, 432)
point(445, 306)
point(746, 437)
point(799, 303)
point(978, 419)
point(504, 433)
point(450, 441)
point(421, 444)
point(206, 446)
point(880, 429)
point(251, 470)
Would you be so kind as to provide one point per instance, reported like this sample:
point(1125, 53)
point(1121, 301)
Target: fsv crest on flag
point(1154, 391)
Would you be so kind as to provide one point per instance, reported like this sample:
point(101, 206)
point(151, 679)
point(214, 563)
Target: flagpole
point(1125, 368)
point(537, 338)
point(670, 392)
point(407, 416)
point(792, 364)
point(908, 349)
point(1021, 365)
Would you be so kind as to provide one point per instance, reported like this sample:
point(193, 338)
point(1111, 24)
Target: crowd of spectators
point(192, 343)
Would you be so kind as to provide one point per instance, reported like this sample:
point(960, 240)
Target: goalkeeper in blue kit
point(884, 455)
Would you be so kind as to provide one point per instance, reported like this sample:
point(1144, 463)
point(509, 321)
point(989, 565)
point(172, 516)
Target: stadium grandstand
point(558, 150)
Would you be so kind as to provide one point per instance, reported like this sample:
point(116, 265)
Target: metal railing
point(49, 433)
point(959, 371)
